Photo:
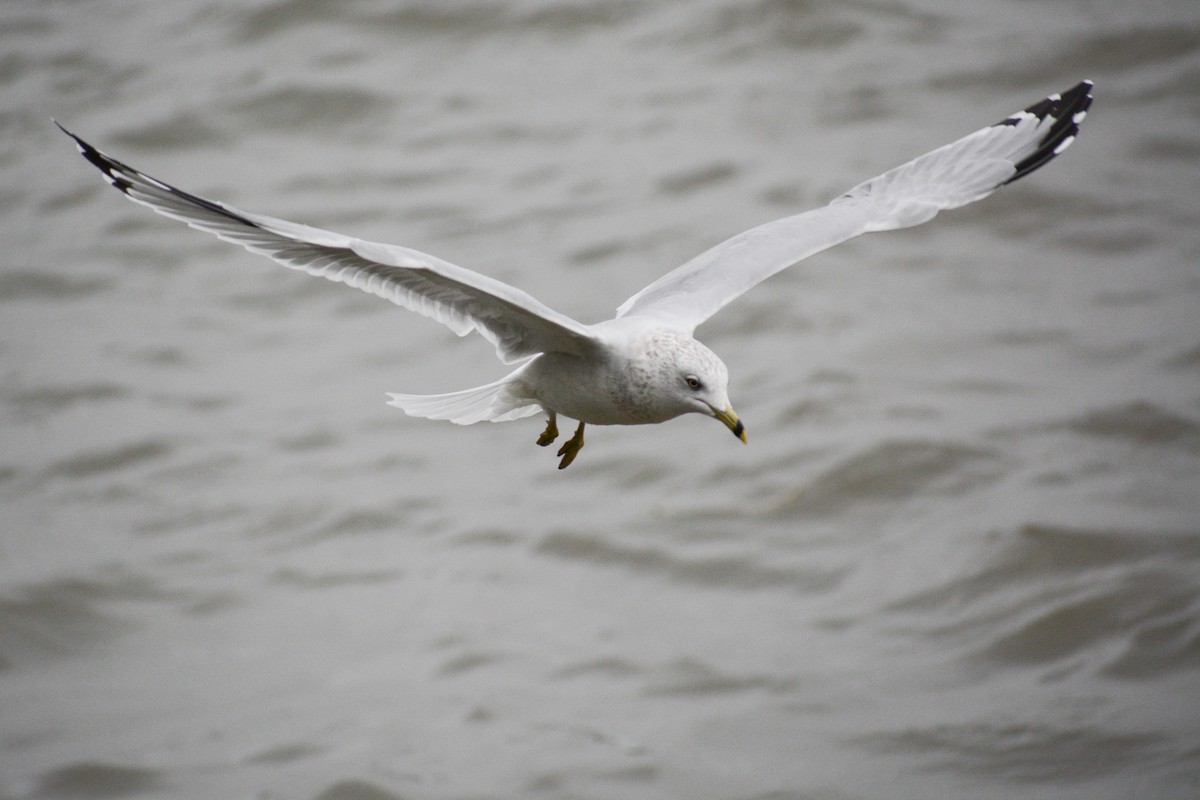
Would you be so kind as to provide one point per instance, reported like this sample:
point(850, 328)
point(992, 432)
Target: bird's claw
point(550, 434)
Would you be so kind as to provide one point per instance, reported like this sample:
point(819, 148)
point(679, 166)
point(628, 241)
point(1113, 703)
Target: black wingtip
point(122, 176)
point(1068, 111)
point(109, 166)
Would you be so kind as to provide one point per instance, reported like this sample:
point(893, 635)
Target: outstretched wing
point(951, 176)
point(518, 325)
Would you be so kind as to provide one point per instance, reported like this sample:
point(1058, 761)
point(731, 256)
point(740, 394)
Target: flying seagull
point(643, 366)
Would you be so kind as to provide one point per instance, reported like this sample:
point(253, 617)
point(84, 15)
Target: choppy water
point(960, 557)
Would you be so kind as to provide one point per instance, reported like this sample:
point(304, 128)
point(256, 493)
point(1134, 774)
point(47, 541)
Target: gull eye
point(693, 382)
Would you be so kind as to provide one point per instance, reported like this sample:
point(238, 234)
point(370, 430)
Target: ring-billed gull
point(643, 366)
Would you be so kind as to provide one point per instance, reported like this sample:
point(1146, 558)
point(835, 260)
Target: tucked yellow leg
point(551, 432)
point(571, 449)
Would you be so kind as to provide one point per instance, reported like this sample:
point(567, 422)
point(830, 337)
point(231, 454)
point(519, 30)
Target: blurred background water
point(960, 557)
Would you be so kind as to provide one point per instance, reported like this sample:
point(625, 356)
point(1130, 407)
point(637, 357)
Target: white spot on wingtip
point(1015, 120)
point(1078, 118)
point(1064, 144)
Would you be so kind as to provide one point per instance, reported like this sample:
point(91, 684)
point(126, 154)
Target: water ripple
point(1066, 596)
point(20, 285)
point(1140, 423)
point(431, 18)
point(49, 400)
point(62, 616)
point(692, 677)
point(724, 572)
point(1020, 752)
point(891, 472)
point(95, 779)
point(1046, 631)
point(296, 109)
point(356, 790)
point(120, 457)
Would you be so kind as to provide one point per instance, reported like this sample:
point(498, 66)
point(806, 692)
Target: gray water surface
point(960, 557)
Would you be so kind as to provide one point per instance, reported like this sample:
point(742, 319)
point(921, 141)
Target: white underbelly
point(584, 391)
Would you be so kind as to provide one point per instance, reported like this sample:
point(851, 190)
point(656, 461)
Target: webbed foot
point(551, 432)
point(571, 449)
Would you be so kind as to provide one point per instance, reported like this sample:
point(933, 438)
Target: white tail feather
point(494, 402)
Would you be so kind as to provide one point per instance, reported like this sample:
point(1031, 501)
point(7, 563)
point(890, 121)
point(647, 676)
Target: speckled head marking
point(669, 373)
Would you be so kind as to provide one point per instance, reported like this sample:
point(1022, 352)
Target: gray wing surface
point(517, 324)
point(958, 173)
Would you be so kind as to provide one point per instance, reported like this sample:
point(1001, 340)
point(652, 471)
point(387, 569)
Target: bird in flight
point(642, 366)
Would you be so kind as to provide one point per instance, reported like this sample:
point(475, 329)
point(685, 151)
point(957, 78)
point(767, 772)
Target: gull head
point(669, 374)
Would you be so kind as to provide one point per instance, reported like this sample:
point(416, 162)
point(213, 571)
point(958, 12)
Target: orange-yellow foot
point(571, 449)
point(551, 432)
